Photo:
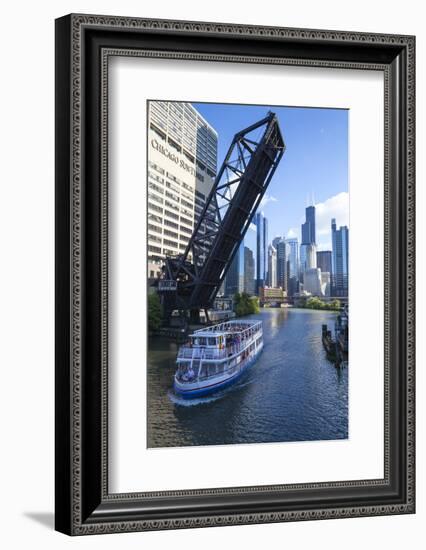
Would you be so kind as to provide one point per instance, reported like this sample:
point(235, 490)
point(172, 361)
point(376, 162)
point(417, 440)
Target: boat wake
point(192, 402)
point(176, 400)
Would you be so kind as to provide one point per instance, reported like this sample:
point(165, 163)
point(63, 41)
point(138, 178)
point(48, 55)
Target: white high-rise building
point(312, 281)
point(182, 165)
point(308, 257)
point(272, 267)
point(325, 283)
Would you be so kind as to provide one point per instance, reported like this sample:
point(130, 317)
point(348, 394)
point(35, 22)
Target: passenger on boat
point(188, 375)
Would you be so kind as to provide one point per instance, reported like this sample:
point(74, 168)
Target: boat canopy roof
point(230, 327)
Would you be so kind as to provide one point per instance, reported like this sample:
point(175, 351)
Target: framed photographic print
point(234, 274)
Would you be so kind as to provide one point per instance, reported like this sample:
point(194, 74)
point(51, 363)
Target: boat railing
point(230, 326)
point(206, 353)
point(231, 369)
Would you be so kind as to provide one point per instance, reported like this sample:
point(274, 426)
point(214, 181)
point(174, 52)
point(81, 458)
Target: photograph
point(234, 273)
point(247, 274)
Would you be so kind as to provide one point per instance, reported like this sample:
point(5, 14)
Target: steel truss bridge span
point(241, 182)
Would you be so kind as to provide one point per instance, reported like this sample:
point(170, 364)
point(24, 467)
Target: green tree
point(244, 304)
point(255, 304)
point(154, 311)
point(314, 303)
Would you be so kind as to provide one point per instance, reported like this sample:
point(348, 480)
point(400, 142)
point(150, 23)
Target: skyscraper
point(235, 277)
point(324, 260)
point(312, 282)
point(308, 257)
point(308, 245)
point(261, 249)
point(182, 158)
point(293, 266)
point(272, 267)
point(308, 228)
point(282, 253)
point(249, 273)
point(340, 260)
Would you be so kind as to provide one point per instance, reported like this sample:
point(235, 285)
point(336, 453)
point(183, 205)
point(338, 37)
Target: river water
point(291, 393)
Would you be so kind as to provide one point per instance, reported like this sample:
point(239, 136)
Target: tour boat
point(216, 356)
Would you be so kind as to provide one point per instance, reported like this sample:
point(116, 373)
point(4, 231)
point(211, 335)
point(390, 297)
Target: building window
point(170, 243)
point(186, 203)
point(155, 228)
point(157, 131)
point(157, 188)
point(156, 167)
point(155, 198)
point(171, 224)
point(170, 233)
point(186, 230)
point(174, 145)
point(171, 214)
point(172, 196)
point(155, 208)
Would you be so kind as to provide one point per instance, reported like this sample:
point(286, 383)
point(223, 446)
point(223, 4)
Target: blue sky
point(315, 164)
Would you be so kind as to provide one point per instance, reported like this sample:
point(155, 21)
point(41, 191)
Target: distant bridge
point(278, 300)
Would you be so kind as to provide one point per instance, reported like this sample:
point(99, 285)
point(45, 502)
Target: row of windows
point(155, 228)
point(179, 181)
point(172, 196)
point(186, 230)
point(156, 167)
point(186, 212)
point(185, 203)
point(159, 120)
point(170, 233)
point(155, 198)
point(156, 187)
point(166, 251)
point(154, 238)
point(157, 131)
point(155, 177)
point(171, 214)
point(170, 243)
point(155, 208)
point(171, 205)
point(172, 186)
point(171, 224)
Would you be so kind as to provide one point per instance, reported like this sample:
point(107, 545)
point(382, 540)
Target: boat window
point(212, 341)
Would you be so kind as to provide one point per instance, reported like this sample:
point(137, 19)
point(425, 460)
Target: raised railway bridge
point(191, 281)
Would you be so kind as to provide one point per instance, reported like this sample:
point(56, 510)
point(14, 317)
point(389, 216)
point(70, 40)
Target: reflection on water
point(292, 393)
